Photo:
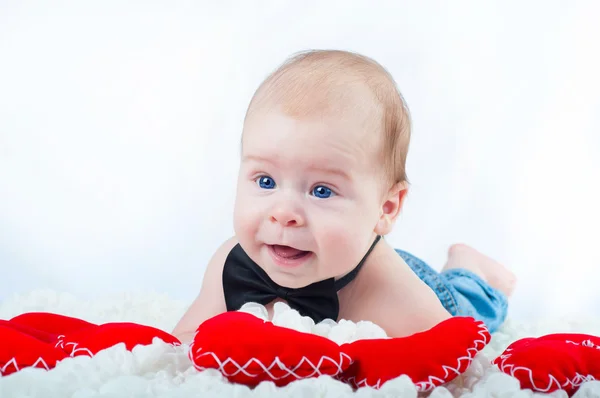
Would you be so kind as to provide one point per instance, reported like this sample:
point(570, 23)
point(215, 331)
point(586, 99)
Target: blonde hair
point(325, 81)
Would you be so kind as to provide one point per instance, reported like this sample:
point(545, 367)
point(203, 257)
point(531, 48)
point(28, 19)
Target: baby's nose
point(286, 217)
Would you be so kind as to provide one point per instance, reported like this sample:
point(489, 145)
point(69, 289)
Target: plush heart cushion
point(248, 350)
point(552, 362)
point(41, 335)
point(42, 339)
point(20, 350)
point(90, 341)
point(429, 358)
point(50, 324)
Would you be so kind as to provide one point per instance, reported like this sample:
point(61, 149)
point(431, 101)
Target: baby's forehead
point(310, 142)
point(324, 112)
point(361, 125)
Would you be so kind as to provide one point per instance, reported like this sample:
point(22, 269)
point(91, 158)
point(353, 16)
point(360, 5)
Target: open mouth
point(288, 254)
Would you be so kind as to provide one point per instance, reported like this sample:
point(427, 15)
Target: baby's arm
point(210, 301)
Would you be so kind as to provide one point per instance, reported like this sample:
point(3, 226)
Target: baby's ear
point(390, 208)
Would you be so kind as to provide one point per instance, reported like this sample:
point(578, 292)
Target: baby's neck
point(379, 260)
point(383, 253)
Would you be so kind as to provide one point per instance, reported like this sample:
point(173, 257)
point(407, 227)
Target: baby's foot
point(463, 256)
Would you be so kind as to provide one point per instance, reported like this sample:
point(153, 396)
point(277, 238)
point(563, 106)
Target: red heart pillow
point(50, 324)
point(90, 341)
point(248, 350)
point(41, 335)
point(552, 362)
point(19, 350)
point(41, 339)
point(429, 358)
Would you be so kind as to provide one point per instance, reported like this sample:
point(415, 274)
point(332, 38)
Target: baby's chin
point(292, 278)
point(293, 282)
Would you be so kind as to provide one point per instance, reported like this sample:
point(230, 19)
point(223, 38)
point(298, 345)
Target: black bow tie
point(246, 282)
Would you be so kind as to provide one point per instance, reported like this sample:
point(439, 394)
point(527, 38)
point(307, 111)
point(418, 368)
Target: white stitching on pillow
point(277, 363)
point(13, 362)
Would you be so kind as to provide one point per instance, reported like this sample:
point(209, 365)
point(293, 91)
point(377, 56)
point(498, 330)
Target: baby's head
point(324, 150)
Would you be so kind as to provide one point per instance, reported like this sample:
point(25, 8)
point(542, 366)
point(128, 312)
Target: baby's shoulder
point(395, 298)
point(388, 282)
point(220, 255)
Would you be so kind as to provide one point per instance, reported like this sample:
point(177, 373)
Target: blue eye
point(322, 192)
point(266, 182)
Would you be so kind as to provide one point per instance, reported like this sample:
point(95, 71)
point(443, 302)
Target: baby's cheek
point(244, 220)
point(343, 247)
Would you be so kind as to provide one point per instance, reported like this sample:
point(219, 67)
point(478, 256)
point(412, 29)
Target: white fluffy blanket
point(160, 370)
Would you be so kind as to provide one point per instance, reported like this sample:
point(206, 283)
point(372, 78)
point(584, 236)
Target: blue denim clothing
point(462, 292)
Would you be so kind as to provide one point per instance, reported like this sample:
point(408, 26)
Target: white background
point(120, 125)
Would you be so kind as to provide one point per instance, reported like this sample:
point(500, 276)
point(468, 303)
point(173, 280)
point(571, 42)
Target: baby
point(322, 180)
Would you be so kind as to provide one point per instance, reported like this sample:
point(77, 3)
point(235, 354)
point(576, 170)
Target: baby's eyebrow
point(256, 158)
point(315, 168)
point(332, 170)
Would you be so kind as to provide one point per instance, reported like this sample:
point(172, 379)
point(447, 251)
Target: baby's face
point(309, 195)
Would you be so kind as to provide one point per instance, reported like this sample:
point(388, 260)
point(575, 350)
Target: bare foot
point(463, 256)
